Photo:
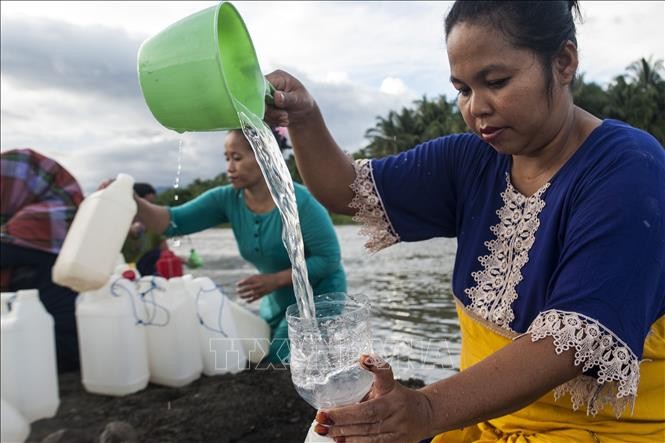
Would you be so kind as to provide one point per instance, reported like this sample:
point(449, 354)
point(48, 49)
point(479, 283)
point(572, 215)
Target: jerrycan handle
point(270, 92)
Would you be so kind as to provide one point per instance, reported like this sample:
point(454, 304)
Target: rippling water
point(409, 285)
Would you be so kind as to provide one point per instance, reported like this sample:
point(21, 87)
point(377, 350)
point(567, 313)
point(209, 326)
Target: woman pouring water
point(559, 277)
point(248, 206)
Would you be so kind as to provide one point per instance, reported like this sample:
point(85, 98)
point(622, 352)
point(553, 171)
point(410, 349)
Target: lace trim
point(595, 346)
point(495, 291)
point(371, 213)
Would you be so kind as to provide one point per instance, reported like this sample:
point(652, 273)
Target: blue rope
point(114, 287)
point(219, 313)
point(153, 302)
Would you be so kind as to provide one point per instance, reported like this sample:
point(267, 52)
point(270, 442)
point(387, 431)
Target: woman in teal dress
point(257, 226)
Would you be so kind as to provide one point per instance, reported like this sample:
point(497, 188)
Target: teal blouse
point(259, 238)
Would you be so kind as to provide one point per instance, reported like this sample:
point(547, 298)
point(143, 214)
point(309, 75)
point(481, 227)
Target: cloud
point(70, 89)
point(394, 86)
point(47, 54)
point(71, 92)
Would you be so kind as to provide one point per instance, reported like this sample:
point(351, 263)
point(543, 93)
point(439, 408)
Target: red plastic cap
point(129, 275)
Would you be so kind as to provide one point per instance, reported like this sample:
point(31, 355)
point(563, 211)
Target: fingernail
point(323, 418)
point(281, 95)
point(320, 429)
point(367, 361)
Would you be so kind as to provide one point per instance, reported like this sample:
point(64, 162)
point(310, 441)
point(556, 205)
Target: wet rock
point(69, 436)
point(119, 432)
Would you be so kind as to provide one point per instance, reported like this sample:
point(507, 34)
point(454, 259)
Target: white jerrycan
point(112, 340)
point(94, 240)
point(14, 428)
point(229, 332)
point(172, 332)
point(29, 371)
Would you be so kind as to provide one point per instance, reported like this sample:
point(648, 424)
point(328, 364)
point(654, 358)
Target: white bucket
point(230, 334)
point(29, 371)
point(112, 341)
point(90, 251)
point(14, 428)
point(172, 332)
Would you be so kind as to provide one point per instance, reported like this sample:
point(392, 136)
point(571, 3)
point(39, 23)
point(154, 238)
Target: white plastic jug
point(172, 332)
point(13, 426)
point(29, 371)
point(112, 339)
point(6, 299)
point(94, 240)
point(229, 333)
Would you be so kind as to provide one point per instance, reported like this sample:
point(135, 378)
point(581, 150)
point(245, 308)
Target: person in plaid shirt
point(38, 200)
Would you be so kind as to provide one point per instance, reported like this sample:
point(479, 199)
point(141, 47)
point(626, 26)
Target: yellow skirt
point(547, 420)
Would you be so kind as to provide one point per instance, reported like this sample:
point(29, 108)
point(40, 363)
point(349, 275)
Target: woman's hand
point(254, 287)
point(136, 229)
point(293, 104)
point(390, 413)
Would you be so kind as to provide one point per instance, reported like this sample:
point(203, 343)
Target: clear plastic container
point(29, 371)
point(90, 251)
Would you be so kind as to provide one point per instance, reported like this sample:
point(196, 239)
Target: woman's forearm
point(504, 382)
point(155, 218)
point(284, 278)
point(325, 168)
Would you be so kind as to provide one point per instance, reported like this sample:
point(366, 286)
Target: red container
point(169, 265)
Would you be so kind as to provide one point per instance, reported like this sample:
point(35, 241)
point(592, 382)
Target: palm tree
point(401, 131)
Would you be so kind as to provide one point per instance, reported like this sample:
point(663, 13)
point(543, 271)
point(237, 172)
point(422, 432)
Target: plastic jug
point(228, 332)
point(192, 72)
point(112, 339)
point(29, 372)
point(14, 428)
point(90, 250)
point(6, 300)
point(172, 332)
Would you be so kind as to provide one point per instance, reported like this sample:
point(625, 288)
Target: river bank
point(256, 405)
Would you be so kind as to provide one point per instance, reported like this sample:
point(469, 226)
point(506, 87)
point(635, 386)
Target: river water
point(414, 324)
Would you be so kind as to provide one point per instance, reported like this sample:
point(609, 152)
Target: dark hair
point(541, 26)
point(143, 189)
point(282, 141)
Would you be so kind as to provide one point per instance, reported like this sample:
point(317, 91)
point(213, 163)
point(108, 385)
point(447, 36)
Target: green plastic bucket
point(191, 72)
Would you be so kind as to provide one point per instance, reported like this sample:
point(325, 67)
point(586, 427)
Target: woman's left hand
point(391, 412)
point(254, 287)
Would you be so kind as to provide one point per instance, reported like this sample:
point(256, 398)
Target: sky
point(69, 86)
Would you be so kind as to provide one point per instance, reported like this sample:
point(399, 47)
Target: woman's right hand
point(293, 104)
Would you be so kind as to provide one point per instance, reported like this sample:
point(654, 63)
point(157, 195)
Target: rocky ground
point(256, 405)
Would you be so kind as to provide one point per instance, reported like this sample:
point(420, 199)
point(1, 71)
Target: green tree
point(399, 131)
point(187, 193)
point(590, 96)
point(638, 97)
